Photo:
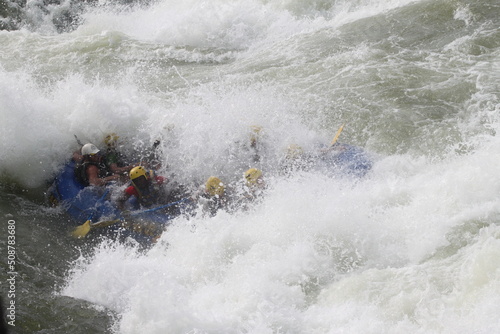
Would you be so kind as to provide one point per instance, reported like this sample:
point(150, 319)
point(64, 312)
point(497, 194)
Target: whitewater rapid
point(412, 247)
point(388, 254)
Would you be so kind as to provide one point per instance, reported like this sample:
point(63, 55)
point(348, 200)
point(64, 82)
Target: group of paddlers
point(146, 189)
point(95, 167)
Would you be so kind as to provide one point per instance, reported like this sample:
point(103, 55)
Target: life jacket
point(150, 195)
point(113, 156)
point(213, 205)
point(81, 171)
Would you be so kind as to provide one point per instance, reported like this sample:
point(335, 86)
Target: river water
point(412, 247)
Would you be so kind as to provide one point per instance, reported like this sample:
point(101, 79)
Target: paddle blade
point(339, 131)
point(82, 230)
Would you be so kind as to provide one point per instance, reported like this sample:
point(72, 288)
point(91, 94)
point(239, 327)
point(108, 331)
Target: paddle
point(78, 141)
point(339, 131)
point(82, 230)
point(160, 207)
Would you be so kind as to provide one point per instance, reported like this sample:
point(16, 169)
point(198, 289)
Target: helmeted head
point(137, 172)
point(214, 186)
point(252, 176)
point(111, 139)
point(140, 176)
point(89, 149)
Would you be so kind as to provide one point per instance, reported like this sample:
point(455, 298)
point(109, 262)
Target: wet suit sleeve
point(131, 191)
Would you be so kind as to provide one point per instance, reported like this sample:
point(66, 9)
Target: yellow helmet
point(252, 175)
point(138, 172)
point(214, 186)
point(111, 139)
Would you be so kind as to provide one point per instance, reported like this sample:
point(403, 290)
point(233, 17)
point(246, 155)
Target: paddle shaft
point(78, 141)
point(339, 131)
point(160, 207)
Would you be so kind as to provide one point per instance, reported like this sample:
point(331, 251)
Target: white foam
point(341, 255)
point(411, 248)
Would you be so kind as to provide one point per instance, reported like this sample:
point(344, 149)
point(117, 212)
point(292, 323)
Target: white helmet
point(89, 149)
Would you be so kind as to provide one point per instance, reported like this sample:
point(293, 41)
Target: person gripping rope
point(215, 195)
point(250, 191)
point(93, 170)
point(255, 185)
point(146, 187)
point(115, 159)
point(212, 196)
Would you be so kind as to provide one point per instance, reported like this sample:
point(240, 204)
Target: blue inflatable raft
point(346, 159)
point(92, 204)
